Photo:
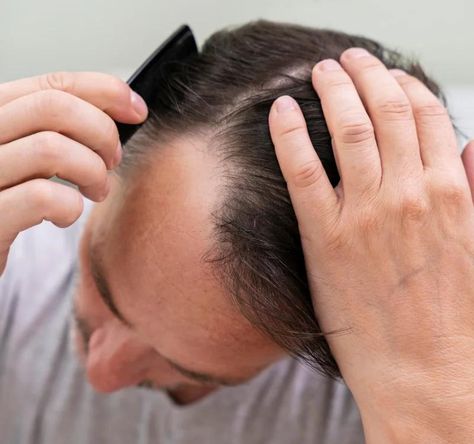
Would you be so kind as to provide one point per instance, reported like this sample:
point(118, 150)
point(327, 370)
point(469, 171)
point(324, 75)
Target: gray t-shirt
point(46, 399)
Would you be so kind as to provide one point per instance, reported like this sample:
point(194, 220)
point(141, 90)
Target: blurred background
point(115, 36)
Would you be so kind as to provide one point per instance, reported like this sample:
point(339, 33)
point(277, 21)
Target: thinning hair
point(226, 92)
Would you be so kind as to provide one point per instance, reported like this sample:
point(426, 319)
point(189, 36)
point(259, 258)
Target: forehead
point(156, 238)
point(161, 227)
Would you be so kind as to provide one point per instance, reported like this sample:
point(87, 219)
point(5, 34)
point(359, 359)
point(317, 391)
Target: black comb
point(147, 79)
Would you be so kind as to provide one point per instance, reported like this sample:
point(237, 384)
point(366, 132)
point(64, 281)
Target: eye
point(83, 330)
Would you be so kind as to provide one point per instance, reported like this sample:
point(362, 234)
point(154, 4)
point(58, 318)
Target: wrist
point(417, 415)
point(412, 428)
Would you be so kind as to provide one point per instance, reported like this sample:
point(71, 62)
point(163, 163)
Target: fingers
point(62, 113)
point(390, 112)
point(311, 193)
point(389, 148)
point(437, 139)
point(468, 161)
point(29, 203)
point(108, 93)
point(48, 154)
point(355, 147)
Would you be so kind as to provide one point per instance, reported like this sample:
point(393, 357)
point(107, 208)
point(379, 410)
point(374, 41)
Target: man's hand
point(390, 251)
point(58, 124)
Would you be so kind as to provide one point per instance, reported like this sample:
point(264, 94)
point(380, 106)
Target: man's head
point(198, 243)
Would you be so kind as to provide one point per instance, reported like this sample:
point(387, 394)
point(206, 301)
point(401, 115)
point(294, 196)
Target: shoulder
point(298, 404)
point(325, 406)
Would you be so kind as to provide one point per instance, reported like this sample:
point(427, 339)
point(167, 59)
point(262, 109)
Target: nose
point(116, 359)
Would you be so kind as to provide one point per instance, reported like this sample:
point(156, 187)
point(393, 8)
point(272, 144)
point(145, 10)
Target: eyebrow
point(106, 295)
point(203, 377)
point(82, 326)
point(103, 287)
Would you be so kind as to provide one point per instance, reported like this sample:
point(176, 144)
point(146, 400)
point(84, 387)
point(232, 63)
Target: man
point(152, 303)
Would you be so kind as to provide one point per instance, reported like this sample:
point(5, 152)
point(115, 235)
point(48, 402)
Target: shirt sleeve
point(39, 261)
point(8, 290)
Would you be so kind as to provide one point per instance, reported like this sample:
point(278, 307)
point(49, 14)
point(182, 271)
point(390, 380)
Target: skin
point(150, 236)
point(41, 139)
point(411, 383)
point(63, 124)
point(398, 229)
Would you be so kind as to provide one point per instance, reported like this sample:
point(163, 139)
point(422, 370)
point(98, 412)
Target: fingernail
point(328, 65)
point(285, 104)
point(356, 53)
point(117, 156)
point(139, 104)
point(397, 72)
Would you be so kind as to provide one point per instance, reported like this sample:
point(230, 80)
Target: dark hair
point(227, 91)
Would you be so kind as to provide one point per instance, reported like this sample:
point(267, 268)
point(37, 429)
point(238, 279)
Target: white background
point(116, 35)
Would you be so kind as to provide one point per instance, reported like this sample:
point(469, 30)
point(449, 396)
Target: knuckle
point(338, 83)
point(52, 103)
point(407, 80)
point(308, 174)
point(97, 176)
point(41, 195)
point(292, 130)
point(100, 169)
point(356, 129)
point(413, 206)
point(110, 136)
point(436, 110)
point(119, 90)
point(395, 109)
point(62, 81)
point(370, 64)
point(364, 64)
point(453, 193)
point(47, 145)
